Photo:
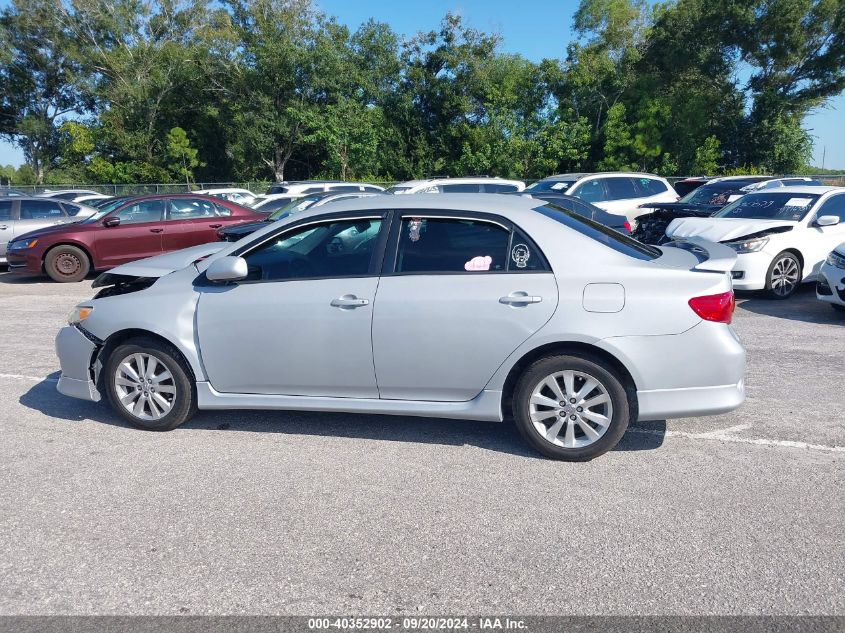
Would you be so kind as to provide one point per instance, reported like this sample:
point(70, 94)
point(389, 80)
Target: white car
point(243, 197)
point(622, 193)
point(67, 194)
point(830, 286)
point(458, 185)
point(781, 236)
point(88, 198)
point(296, 189)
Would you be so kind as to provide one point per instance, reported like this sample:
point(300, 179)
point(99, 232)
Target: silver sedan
point(480, 307)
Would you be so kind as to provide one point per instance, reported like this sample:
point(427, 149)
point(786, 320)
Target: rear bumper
point(76, 356)
point(698, 372)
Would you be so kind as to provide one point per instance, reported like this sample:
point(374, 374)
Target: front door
point(301, 323)
point(138, 235)
point(462, 295)
point(7, 226)
point(825, 238)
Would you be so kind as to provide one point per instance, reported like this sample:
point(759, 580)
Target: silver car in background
point(477, 307)
point(19, 215)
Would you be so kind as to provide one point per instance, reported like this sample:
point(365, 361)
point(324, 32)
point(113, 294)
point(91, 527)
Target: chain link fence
point(260, 187)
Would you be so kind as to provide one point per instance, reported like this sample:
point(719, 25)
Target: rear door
point(6, 225)
point(458, 295)
point(138, 235)
point(193, 221)
point(38, 214)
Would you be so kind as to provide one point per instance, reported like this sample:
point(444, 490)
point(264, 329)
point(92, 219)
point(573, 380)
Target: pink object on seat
point(479, 263)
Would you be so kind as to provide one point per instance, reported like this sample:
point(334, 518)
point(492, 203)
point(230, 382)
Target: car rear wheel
point(149, 384)
point(67, 264)
point(784, 276)
point(571, 408)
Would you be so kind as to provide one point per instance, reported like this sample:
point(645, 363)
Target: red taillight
point(627, 226)
point(718, 308)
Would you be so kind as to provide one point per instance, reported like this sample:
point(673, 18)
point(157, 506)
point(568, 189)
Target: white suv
point(621, 193)
point(458, 185)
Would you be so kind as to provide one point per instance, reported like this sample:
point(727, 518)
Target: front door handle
point(519, 298)
point(3, 228)
point(214, 226)
point(349, 302)
point(156, 230)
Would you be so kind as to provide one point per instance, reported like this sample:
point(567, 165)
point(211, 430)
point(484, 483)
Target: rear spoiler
point(712, 256)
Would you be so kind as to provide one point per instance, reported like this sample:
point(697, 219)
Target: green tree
point(181, 157)
point(707, 157)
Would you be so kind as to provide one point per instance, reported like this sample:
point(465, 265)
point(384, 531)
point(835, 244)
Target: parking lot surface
point(303, 513)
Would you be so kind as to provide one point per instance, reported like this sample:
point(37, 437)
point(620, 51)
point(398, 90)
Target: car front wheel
point(67, 264)
point(571, 408)
point(784, 276)
point(149, 384)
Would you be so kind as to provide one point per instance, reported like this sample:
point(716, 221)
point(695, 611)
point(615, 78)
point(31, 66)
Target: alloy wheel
point(571, 409)
point(144, 386)
point(784, 276)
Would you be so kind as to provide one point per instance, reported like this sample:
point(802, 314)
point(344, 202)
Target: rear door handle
point(519, 298)
point(156, 230)
point(349, 302)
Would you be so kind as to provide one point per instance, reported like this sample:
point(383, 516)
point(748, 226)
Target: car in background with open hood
point(706, 200)
point(782, 236)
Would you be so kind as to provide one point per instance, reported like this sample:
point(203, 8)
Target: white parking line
point(33, 378)
point(722, 435)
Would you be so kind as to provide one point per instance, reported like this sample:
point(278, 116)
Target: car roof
point(814, 190)
point(456, 180)
point(579, 175)
point(498, 204)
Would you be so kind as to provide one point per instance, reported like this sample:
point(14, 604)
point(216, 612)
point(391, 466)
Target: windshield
point(770, 206)
point(398, 189)
point(292, 206)
point(559, 186)
point(600, 233)
point(104, 210)
point(719, 193)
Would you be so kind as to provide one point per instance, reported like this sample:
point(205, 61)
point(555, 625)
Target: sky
point(532, 28)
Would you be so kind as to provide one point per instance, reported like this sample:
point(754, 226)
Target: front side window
point(834, 206)
point(338, 248)
point(590, 191)
point(41, 210)
point(770, 205)
point(5, 210)
point(559, 186)
point(447, 245)
point(140, 212)
point(498, 188)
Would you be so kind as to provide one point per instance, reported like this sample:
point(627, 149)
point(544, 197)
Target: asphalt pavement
point(307, 513)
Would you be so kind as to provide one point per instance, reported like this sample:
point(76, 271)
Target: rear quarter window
point(600, 233)
point(649, 186)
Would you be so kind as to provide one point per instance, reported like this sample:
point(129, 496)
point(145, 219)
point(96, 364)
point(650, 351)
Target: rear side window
point(453, 245)
point(72, 209)
point(222, 210)
point(649, 187)
point(313, 190)
point(600, 233)
point(460, 188)
point(5, 210)
point(621, 189)
point(41, 210)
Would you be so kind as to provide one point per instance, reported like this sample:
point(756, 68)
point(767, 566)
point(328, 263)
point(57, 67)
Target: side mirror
point(228, 268)
point(112, 221)
point(827, 220)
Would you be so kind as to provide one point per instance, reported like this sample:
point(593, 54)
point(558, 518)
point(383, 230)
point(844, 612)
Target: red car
point(122, 232)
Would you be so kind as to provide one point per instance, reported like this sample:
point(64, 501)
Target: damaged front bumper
point(77, 354)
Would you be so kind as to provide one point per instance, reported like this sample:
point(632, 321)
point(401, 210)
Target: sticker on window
point(734, 197)
point(560, 186)
point(799, 203)
point(480, 262)
point(520, 255)
point(414, 227)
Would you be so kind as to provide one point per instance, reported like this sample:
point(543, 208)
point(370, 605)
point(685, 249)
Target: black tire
point(67, 264)
point(183, 401)
point(785, 259)
point(592, 367)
